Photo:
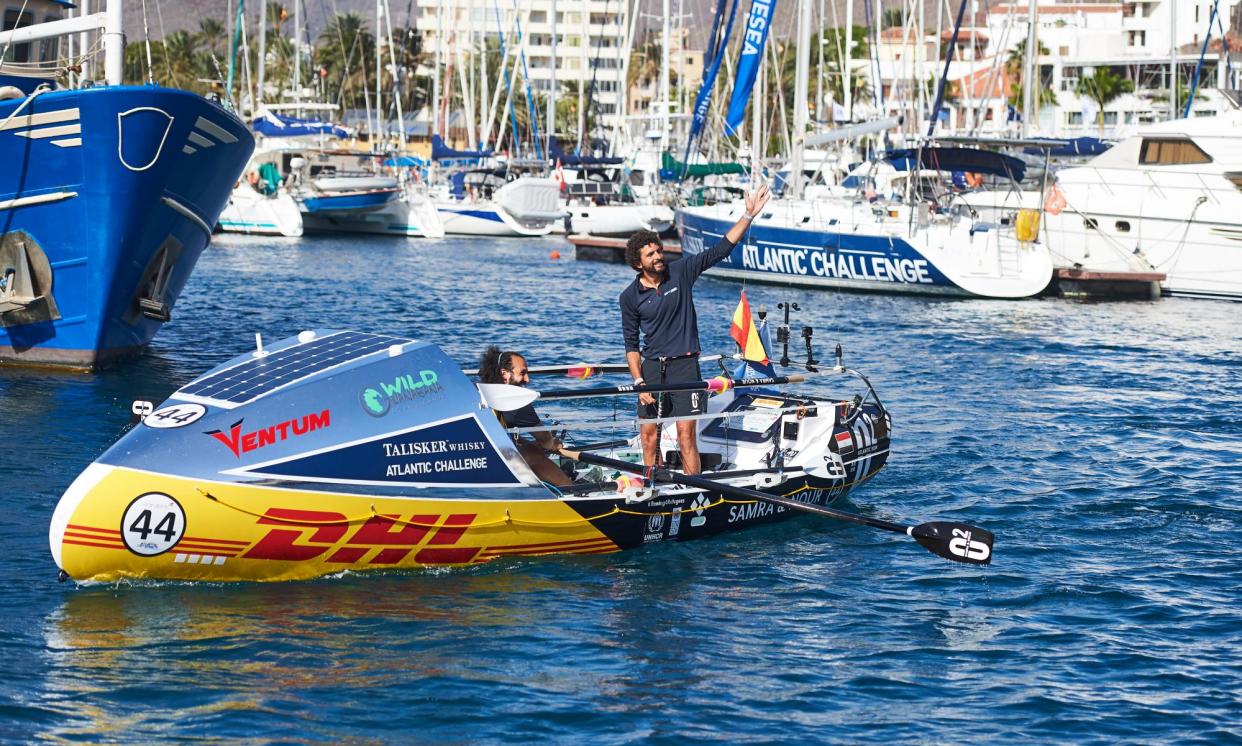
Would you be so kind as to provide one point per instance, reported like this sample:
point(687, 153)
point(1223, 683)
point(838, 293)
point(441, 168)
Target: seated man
point(509, 367)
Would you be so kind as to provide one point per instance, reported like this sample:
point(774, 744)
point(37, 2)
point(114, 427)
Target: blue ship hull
point(348, 201)
point(107, 199)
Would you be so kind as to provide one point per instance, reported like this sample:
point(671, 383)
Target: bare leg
point(538, 461)
point(687, 438)
point(651, 444)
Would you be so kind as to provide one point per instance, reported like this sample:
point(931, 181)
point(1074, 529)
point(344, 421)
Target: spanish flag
point(743, 332)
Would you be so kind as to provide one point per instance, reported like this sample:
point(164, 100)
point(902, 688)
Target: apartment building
point(590, 42)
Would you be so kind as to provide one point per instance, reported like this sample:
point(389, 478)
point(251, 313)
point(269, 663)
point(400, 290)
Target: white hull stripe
point(211, 128)
point(47, 117)
point(200, 141)
point(39, 134)
point(69, 142)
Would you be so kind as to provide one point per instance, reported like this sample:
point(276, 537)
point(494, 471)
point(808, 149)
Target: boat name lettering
point(378, 400)
point(760, 509)
point(760, 13)
point(432, 467)
point(239, 442)
point(386, 539)
point(841, 265)
point(748, 511)
point(431, 446)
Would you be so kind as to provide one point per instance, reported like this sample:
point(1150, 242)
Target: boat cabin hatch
point(27, 65)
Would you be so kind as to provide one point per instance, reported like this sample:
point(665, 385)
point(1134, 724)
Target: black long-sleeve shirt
point(665, 315)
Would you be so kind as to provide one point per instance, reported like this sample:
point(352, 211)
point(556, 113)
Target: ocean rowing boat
point(340, 450)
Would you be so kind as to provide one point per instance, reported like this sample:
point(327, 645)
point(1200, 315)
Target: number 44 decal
point(152, 524)
point(176, 415)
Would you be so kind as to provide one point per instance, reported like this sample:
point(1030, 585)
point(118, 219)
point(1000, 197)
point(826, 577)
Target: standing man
point(659, 304)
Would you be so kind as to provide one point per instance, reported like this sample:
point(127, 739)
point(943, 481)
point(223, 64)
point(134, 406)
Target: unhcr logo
point(378, 400)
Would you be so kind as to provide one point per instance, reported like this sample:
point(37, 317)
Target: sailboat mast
point(552, 87)
point(1172, 60)
point(435, 78)
point(379, 34)
point(847, 75)
point(666, 43)
point(297, 54)
point(396, 90)
point(802, 61)
point(1032, 57)
point(262, 52)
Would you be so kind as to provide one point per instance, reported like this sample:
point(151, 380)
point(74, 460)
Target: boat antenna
point(810, 354)
point(782, 332)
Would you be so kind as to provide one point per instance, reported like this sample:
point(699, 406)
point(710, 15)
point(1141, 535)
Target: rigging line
point(159, 19)
point(1194, 86)
point(17, 24)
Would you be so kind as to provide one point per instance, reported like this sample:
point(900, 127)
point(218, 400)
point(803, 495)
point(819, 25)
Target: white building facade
point(590, 46)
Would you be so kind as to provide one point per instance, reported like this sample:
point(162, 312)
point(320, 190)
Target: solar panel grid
point(260, 375)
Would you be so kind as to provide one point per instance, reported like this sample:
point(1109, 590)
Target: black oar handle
point(646, 388)
point(664, 475)
point(953, 541)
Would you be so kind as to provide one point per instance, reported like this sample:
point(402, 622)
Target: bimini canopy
point(405, 161)
point(555, 153)
point(1076, 146)
point(271, 124)
point(959, 159)
point(441, 152)
point(672, 169)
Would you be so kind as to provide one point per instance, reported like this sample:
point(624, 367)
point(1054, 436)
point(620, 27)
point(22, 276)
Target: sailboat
point(914, 242)
point(108, 193)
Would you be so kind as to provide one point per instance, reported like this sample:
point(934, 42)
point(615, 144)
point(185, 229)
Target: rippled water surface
point(1102, 443)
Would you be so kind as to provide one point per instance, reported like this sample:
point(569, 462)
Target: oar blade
point(505, 398)
point(955, 541)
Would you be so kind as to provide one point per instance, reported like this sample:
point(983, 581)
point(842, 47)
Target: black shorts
point(673, 403)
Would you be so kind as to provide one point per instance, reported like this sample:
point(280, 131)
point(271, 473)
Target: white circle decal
point(152, 524)
point(177, 415)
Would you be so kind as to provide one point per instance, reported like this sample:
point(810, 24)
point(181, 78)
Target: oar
point(506, 398)
point(585, 370)
point(953, 541)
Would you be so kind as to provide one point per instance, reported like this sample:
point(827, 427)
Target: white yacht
point(1168, 199)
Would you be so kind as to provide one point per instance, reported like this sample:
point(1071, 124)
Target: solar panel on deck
point(250, 380)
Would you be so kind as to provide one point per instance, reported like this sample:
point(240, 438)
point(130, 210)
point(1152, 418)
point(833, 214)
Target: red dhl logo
point(239, 442)
point(309, 534)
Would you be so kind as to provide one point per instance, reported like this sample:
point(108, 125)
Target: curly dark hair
point(634, 247)
point(493, 362)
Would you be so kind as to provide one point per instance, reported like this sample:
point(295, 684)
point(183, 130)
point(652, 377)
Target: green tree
point(346, 50)
point(833, 42)
point(1015, 61)
point(1103, 88)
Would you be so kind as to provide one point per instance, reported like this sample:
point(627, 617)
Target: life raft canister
point(1027, 226)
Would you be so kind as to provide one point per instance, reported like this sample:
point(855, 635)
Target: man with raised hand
point(659, 307)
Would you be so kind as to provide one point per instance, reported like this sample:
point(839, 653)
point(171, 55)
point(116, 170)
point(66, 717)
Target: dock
point(611, 250)
point(1074, 282)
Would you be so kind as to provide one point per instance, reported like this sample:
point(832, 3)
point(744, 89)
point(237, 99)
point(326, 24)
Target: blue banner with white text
point(753, 42)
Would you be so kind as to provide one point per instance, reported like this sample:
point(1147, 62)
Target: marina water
point(1102, 443)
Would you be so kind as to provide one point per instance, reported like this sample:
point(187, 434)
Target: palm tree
point(182, 60)
point(1103, 87)
point(833, 40)
point(1014, 62)
point(346, 49)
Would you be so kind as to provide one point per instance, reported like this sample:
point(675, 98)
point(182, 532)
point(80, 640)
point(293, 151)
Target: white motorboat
point(252, 212)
